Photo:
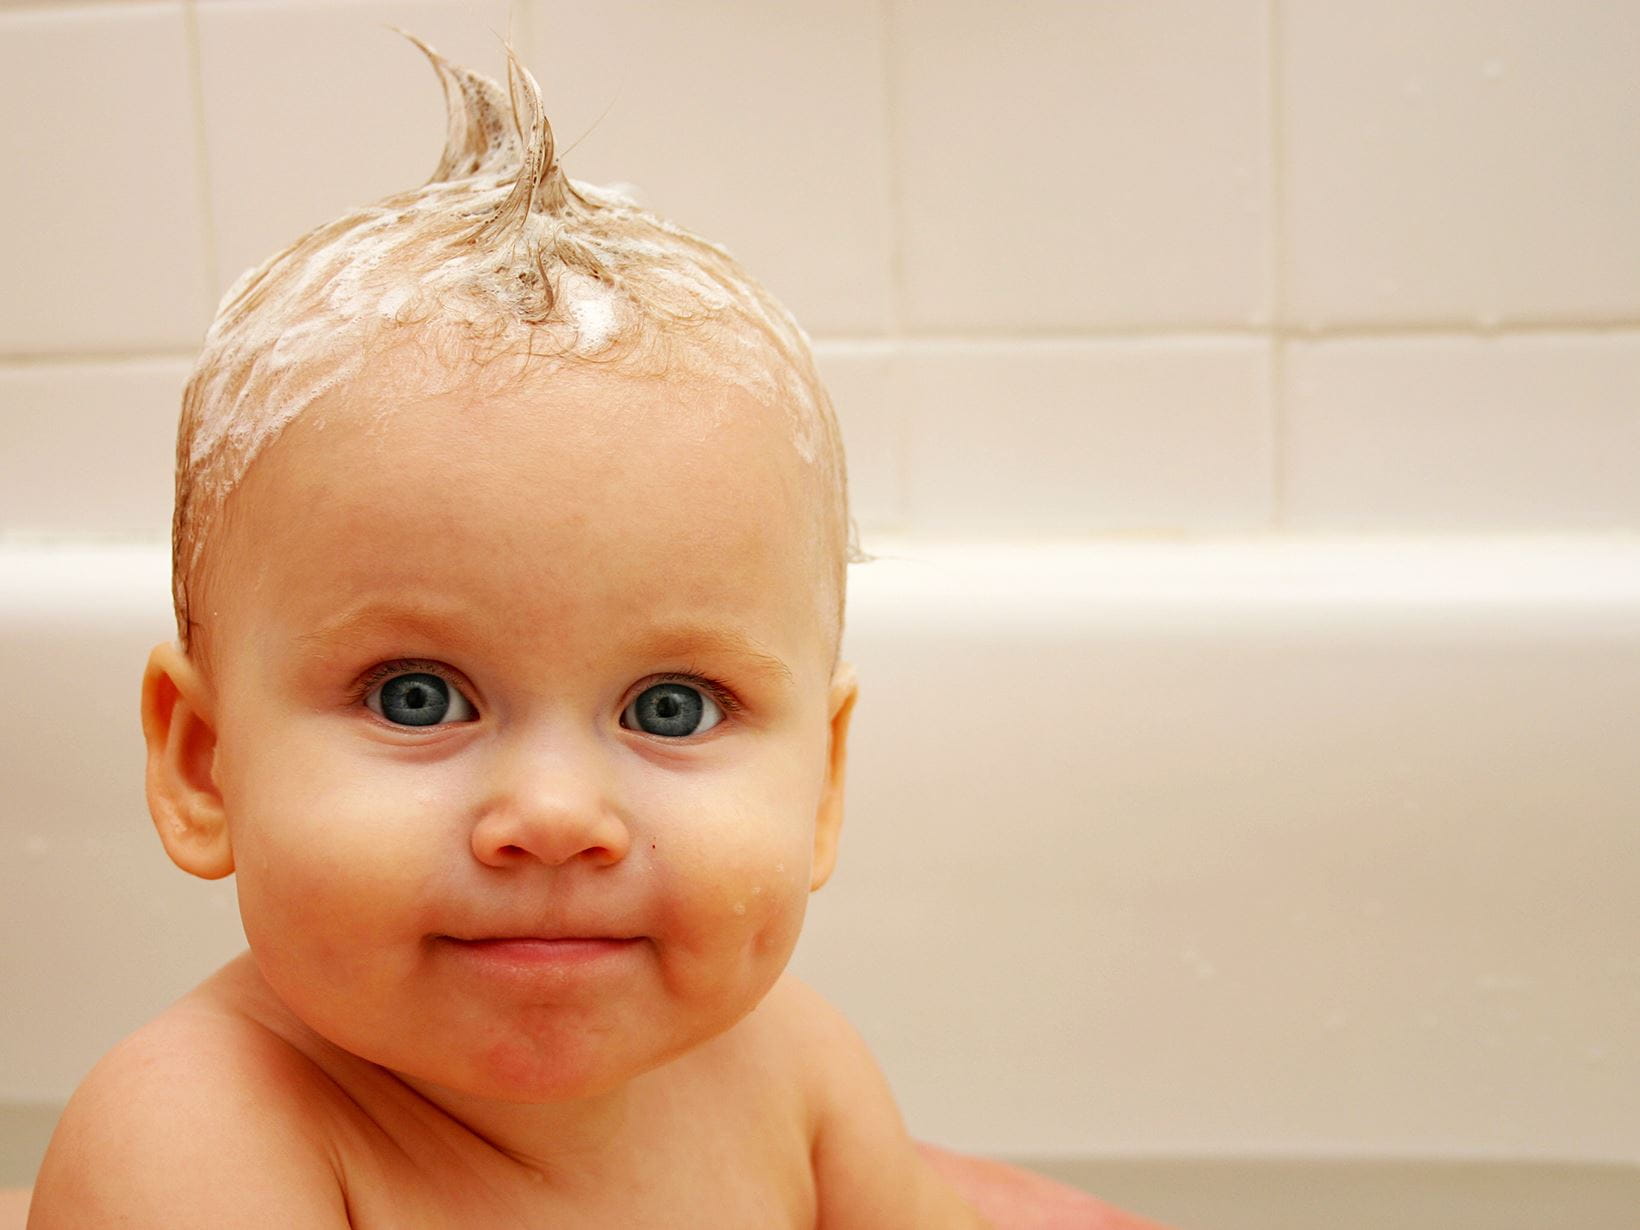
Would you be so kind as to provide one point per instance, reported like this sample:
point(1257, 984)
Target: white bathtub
point(1301, 871)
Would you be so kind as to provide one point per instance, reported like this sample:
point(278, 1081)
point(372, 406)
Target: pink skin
point(538, 902)
point(525, 911)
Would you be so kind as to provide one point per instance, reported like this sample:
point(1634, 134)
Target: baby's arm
point(868, 1173)
point(184, 1128)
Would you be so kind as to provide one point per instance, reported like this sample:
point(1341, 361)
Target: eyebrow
point(718, 642)
point(368, 616)
point(669, 640)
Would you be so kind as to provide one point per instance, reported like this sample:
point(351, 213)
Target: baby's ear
point(183, 797)
point(829, 822)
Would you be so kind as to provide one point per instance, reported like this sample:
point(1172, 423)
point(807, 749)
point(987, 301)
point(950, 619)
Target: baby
point(510, 546)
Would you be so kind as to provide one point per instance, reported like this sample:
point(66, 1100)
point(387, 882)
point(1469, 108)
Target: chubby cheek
point(329, 861)
point(732, 887)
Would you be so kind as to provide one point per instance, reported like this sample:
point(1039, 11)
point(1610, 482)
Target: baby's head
point(510, 544)
point(501, 271)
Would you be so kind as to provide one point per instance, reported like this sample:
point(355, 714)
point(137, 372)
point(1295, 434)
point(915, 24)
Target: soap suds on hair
point(592, 305)
point(504, 249)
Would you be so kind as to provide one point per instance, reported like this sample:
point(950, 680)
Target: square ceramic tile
point(760, 126)
point(1071, 438)
point(314, 108)
point(859, 376)
point(90, 447)
point(1066, 165)
point(1460, 162)
point(1537, 433)
point(101, 228)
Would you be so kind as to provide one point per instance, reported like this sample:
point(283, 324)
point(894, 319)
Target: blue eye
point(418, 699)
point(674, 710)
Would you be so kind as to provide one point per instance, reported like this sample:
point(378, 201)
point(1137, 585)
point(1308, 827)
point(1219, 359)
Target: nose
point(551, 804)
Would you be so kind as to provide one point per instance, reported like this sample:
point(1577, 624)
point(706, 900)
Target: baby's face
point(524, 705)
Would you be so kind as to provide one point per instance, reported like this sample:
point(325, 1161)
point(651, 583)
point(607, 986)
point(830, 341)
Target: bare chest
point(708, 1201)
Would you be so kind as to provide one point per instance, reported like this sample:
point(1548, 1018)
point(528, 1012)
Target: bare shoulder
point(832, 1064)
point(201, 1118)
point(793, 1011)
point(867, 1170)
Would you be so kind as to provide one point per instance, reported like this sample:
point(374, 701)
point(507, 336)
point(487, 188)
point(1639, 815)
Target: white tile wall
point(760, 125)
point(1083, 437)
point(314, 108)
point(860, 376)
point(1065, 165)
point(89, 447)
point(1443, 434)
point(100, 219)
point(1461, 162)
point(966, 203)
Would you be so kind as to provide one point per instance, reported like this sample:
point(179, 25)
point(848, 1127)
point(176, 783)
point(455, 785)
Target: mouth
point(541, 952)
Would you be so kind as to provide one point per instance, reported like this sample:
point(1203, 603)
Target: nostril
point(551, 833)
point(597, 854)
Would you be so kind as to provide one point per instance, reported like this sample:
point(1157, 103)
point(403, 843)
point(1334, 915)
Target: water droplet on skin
point(740, 907)
point(1200, 965)
point(756, 889)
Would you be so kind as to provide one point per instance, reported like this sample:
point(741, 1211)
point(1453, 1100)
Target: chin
point(540, 1072)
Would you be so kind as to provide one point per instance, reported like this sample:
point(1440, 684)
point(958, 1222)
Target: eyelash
point(719, 692)
point(402, 666)
point(726, 700)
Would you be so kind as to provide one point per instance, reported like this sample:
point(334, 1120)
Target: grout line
point(1280, 430)
point(1241, 332)
point(207, 213)
point(1462, 328)
point(1116, 332)
point(521, 25)
point(1275, 271)
point(928, 342)
point(897, 380)
point(893, 140)
point(57, 6)
point(895, 375)
point(933, 341)
point(44, 358)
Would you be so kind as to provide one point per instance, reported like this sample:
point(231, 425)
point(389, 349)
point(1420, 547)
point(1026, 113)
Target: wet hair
point(498, 253)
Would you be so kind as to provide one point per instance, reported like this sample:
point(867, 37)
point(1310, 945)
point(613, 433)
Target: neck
point(571, 1144)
